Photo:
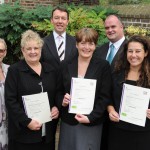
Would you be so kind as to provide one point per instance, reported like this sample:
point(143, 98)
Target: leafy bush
point(80, 16)
point(14, 21)
point(135, 30)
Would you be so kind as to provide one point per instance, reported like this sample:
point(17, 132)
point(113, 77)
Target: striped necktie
point(61, 48)
point(111, 54)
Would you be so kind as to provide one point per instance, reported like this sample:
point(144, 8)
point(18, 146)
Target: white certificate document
point(37, 107)
point(82, 95)
point(134, 103)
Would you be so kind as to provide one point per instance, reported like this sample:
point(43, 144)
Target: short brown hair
point(89, 34)
point(61, 9)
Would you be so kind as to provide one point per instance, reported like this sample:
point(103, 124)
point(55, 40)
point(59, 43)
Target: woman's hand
point(66, 100)
point(34, 125)
point(82, 118)
point(148, 113)
point(54, 112)
point(114, 116)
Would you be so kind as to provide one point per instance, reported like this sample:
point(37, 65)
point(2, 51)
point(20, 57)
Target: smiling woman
point(80, 131)
point(133, 67)
point(28, 77)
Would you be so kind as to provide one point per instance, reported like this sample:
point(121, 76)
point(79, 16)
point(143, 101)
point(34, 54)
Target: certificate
point(82, 95)
point(37, 107)
point(134, 103)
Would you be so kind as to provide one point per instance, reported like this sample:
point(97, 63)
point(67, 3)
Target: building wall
point(137, 15)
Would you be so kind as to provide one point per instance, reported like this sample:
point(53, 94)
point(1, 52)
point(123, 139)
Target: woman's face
point(85, 49)
point(2, 52)
point(135, 54)
point(32, 52)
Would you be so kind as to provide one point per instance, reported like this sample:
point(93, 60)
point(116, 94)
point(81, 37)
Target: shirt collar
point(118, 43)
point(56, 35)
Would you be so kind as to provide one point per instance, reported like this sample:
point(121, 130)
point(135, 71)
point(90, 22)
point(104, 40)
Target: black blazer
point(49, 50)
point(102, 51)
point(118, 79)
point(98, 69)
point(22, 80)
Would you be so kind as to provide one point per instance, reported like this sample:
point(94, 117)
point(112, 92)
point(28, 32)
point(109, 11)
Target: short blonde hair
point(31, 35)
point(3, 42)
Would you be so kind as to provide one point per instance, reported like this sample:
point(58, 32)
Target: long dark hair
point(123, 64)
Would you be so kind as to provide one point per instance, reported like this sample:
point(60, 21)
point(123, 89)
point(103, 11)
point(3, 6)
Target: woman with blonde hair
point(28, 77)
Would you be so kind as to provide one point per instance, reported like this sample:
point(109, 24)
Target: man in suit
point(115, 34)
point(59, 45)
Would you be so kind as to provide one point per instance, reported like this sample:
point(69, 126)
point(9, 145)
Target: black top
point(22, 80)
point(118, 80)
point(98, 69)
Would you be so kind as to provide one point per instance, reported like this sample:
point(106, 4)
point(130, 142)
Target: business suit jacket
point(117, 81)
point(22, 80)
point(98, 69)
point(49, 50)
point(102, 51)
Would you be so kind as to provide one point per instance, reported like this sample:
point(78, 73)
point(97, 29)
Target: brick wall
point(33, 3)
point(137, 15)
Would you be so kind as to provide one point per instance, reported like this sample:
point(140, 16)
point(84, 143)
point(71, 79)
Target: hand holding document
point(134, 103)
point(82, 95)
point(37, 107)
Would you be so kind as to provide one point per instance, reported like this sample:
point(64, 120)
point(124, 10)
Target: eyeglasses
point(2, 51)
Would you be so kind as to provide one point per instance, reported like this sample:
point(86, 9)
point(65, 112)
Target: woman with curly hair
point(133, 67)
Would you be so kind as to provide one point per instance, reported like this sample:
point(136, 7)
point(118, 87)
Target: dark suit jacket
point(22, 80)
point(118, 80)
point(98, 69)
point(49, 50)
point(102, 51)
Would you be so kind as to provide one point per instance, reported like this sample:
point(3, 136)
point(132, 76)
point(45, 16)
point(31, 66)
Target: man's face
point(59, 21)
point(113, 29)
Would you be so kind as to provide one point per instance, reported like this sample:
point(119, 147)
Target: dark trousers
point(14, 145)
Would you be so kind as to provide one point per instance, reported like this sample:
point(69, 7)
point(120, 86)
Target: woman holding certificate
point(28, 78)
point(132, 68)
point(79, 131)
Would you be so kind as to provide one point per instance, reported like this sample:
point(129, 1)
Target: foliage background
point(15, 20)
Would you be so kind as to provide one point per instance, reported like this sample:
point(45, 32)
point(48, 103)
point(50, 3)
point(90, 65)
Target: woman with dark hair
point(133, 67)
point(79, 131)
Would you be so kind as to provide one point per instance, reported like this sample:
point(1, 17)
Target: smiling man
point(115, 34)
point(59, 45)
point(110, 51)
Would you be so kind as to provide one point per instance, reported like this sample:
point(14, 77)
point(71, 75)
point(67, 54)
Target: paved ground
point(57, 137)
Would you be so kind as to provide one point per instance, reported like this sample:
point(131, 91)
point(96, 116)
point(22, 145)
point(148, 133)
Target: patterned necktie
point(111, 54)
point(61, 48)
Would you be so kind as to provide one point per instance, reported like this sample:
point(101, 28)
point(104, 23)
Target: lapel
point(90, 73)
point(92, 68)
point(68, 47)
point(119, 51)
point(52, 46)
point(105, 50)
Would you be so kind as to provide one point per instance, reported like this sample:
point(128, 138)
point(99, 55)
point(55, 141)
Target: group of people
point(49, 64)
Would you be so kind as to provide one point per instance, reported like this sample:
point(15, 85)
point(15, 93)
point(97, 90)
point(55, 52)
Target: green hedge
point(15, 20)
